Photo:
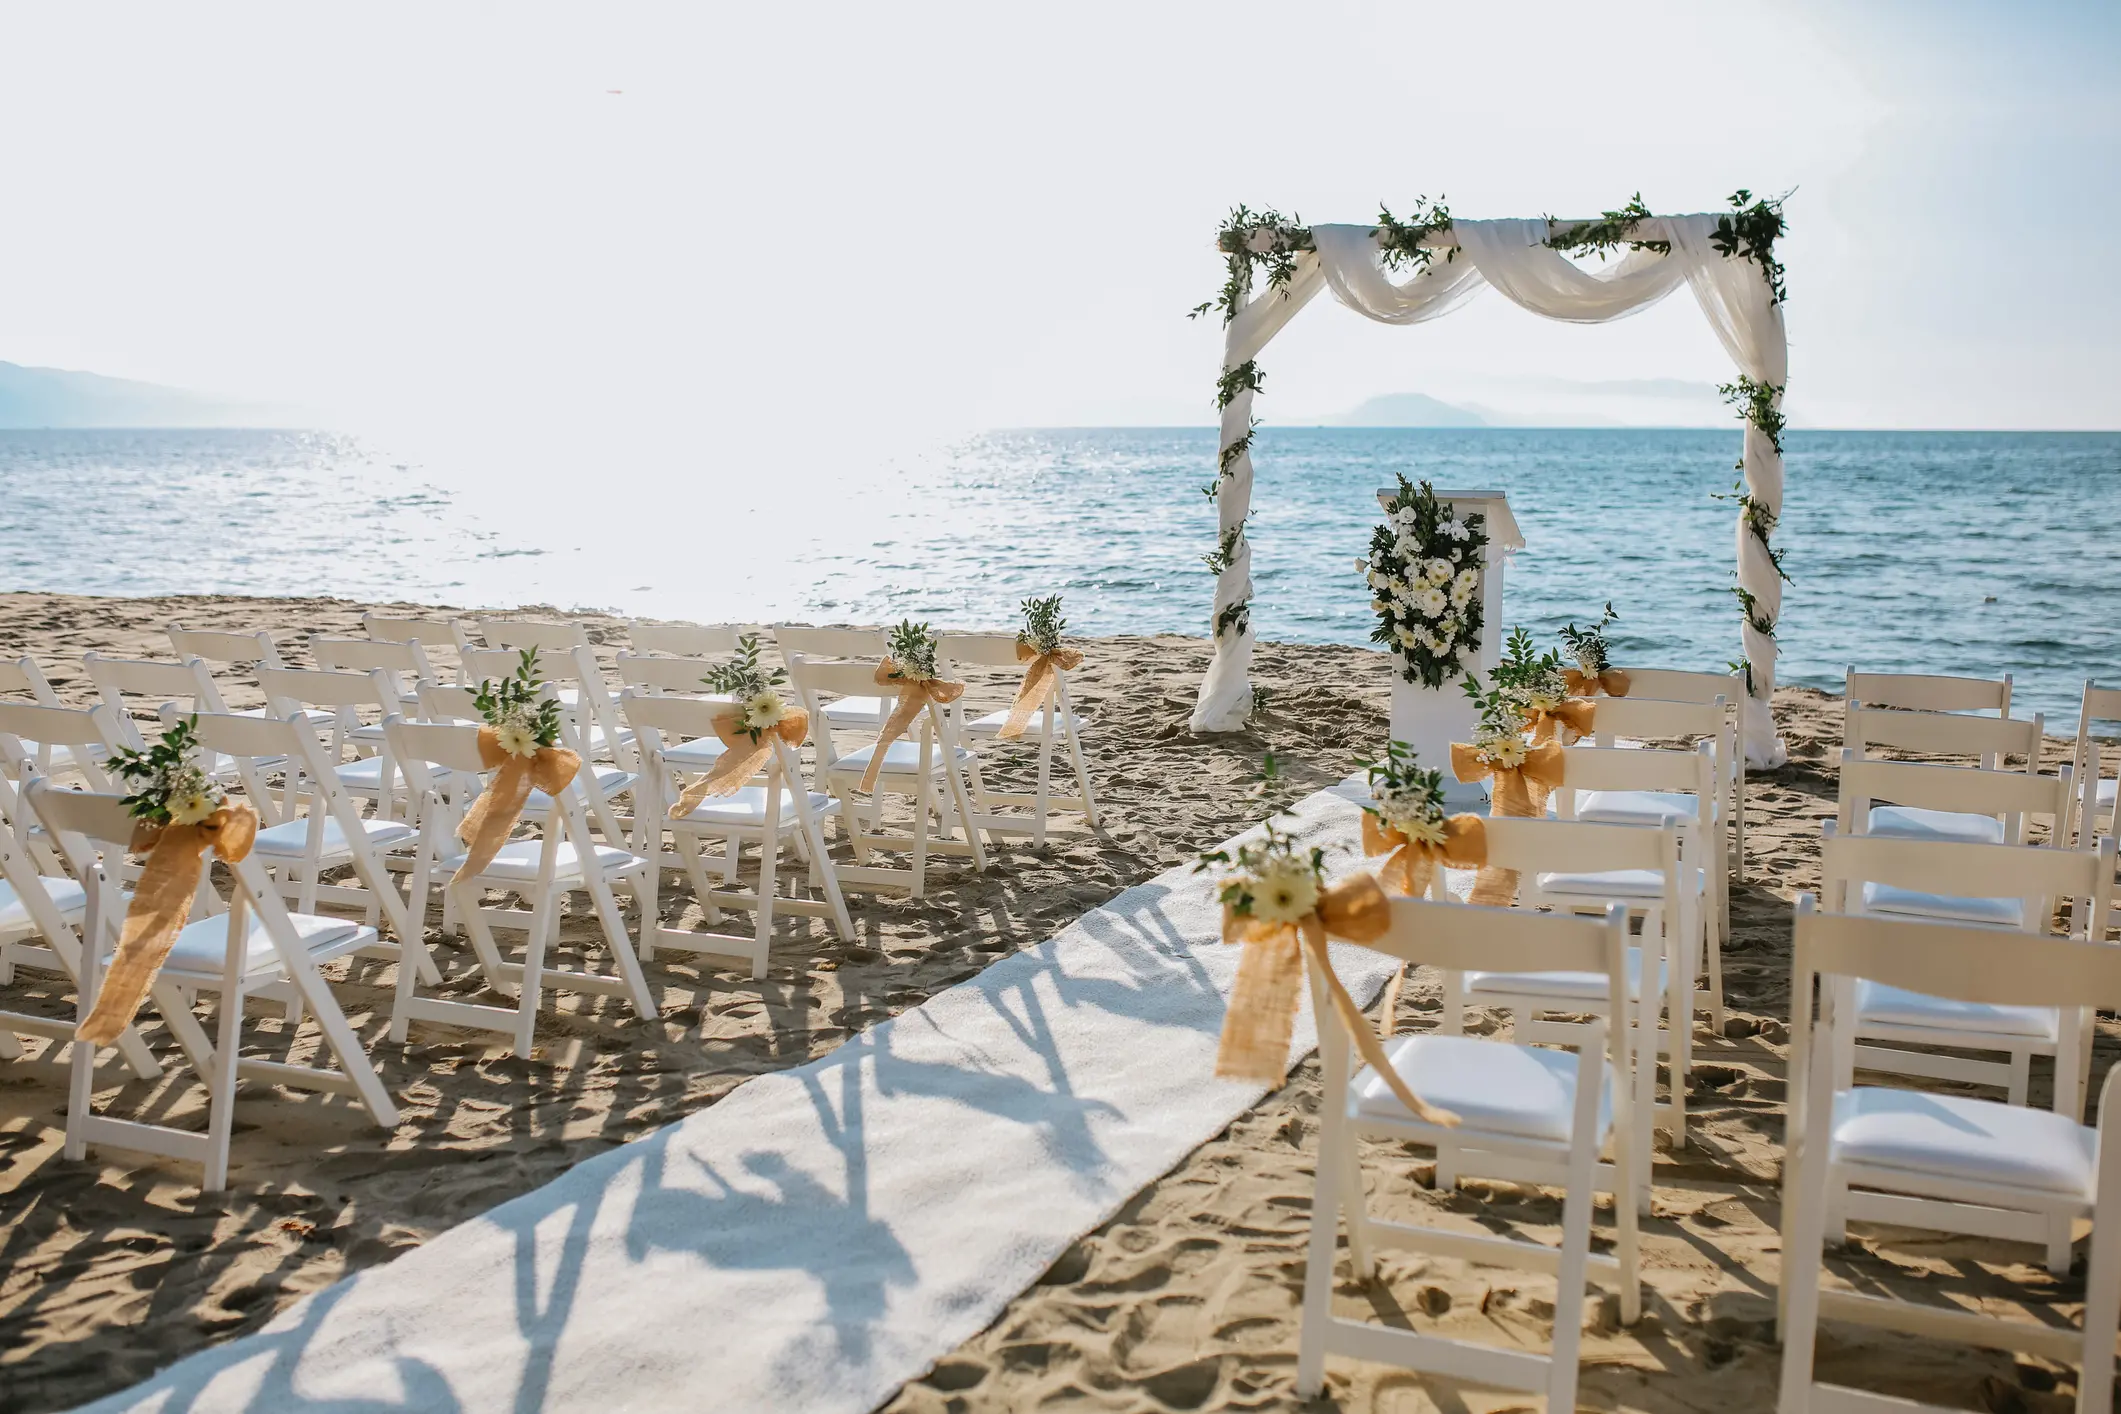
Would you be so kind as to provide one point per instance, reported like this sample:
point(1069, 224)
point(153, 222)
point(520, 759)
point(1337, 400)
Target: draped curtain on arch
point(1510, 256)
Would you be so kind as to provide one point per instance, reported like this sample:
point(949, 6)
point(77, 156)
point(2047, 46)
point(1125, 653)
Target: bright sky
point(878, 220)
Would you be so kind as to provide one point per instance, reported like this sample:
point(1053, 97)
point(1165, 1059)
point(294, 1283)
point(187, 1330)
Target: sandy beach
point(1188, 1300)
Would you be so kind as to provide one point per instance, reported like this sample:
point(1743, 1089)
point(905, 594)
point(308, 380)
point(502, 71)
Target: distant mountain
point(58, 397)
point(1408, 410)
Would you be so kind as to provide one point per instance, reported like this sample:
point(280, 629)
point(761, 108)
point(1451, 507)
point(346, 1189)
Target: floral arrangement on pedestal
point(1424, 570)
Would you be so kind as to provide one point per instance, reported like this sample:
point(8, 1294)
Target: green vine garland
point(1751, 231)
point(1608, 234)
point(1403, 242)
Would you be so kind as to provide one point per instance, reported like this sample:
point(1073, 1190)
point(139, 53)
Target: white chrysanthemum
point(1380, 605)
point(1448, 625)
point(1456, 529)
point(516, 738)
point(1460, 596)
point(1438, 571)
point(1432, 603)
point(1543, 699)
point(1437, 643)
point(1285, 890)
point(1468, 580)
point(193, 806)
point(1422, 828)
point(1408, 638)
point(764, 711)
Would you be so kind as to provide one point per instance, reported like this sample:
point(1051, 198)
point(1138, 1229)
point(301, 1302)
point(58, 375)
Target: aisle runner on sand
point(820, 1236)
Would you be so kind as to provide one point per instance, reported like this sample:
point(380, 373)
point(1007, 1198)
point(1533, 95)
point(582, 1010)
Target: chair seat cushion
point(610, 780)
point(291, 840)
point(1997, 912)
point(1877, 1002)
point(66, 895)
point(995, 721)
point(699, 754)
point(1613, 883)
point(902, 759)
point(1953, 1136)
point(1589, 987)
point(747, 808)
point(518, 862)
point(1639, 807)
point(855, 712)
point(202, 947)
point(1494, 1087)
point(1908, 822)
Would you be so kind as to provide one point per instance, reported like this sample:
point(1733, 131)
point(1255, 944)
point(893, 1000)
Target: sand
point(1187, 1300)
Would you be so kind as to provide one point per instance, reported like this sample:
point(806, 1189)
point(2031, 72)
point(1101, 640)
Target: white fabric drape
point(1510, 255)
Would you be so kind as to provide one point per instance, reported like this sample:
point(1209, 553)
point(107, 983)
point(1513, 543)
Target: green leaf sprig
point(170, 786)
point(513, 702)
point(912, 649)
point(1043, 624)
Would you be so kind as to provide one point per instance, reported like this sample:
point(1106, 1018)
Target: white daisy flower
point(1438, 571)
point(1285, 890)
point(516, 738)
point(764, 711)
point(193, 806)
point(1432, 603)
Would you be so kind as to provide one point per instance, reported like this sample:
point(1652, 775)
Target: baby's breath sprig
point(912, 650)
point(1272, 880)
point(522, 723)
point(1588, 646)
point(1043, 624)
point(171, 789)
point(756, 690)
point(1405, 797)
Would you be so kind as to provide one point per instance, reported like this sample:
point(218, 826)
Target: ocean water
point(1910, 551)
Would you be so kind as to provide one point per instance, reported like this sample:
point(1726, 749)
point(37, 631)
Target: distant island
point(1524, 401)
point(58, 397)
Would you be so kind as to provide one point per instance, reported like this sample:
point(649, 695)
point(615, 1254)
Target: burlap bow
point(1521, 791)
point(1410, 865)
point(486, 826)
point(914, 694)
point(1262, 1012)
point(176, 857)
point(1612, 682)
point(1039, 681)
point(1577, 714)
point(743, 758)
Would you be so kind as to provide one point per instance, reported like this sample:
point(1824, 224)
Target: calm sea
point(1931, 551)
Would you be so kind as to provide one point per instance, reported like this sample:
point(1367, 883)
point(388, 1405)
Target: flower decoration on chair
point(1539, 685)
point(1594, 672)
point(1277, 905)
point(909, 666)
point(1039, 648)
point(181, 812)
point(519, 743)
point(1405, 823)
point(1524, 774)
point(758, 717)
point(1424, 570)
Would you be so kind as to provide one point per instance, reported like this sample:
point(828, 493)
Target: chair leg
point(2102, 1309)
point(1318, 1262)
point(533, 986)
point(1569, 1281)
point(1803, 1211)
point(345, 1045)
point(2021, 1076)
point(622, 944)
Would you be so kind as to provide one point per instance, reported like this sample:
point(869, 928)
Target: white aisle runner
point(820, 1236)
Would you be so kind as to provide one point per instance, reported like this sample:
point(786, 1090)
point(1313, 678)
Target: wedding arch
point(1727, 259)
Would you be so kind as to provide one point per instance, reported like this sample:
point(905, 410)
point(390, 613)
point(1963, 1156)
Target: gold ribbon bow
point(742, 760)
point(1521, 791)
point(1577, 714)
point(176, 857)
point(914, 694)
point(487, 825)
point(1410, 865)
point(1038, 684)
point(1612, 682)
point(1262, 1012)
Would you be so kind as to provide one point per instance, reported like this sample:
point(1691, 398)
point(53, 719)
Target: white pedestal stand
point(1430, 719)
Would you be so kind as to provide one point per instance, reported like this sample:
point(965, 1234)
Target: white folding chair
point(1048, 728)
point(1679, 685)
point(23, 676)
point(1526, 1113)
point(926, 766)
point(663, 675)
point(2096, 790)
point(40, 907)
point(2010, 889)
point(1651, 787)
point(684, 640)
point(176, 690)
point(857, 711)
point(1946, 1163)
point(779, 807)
point(568, 661)
point(604, 780)
point(1634, 867)
point(338, 706)
point(405, 663)
point(255, 945)
point(434, 636)
point(1928, 692)
point(563, 858)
